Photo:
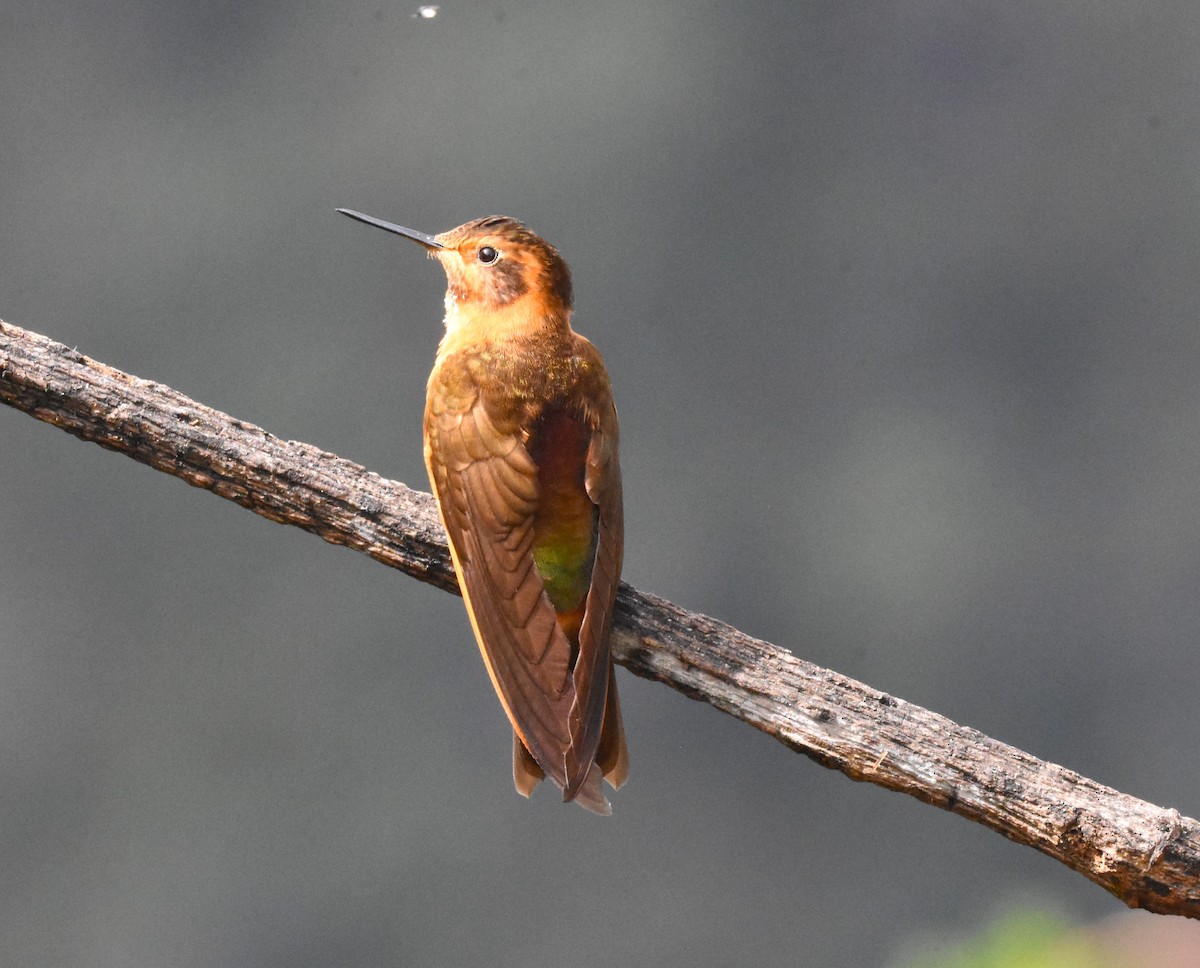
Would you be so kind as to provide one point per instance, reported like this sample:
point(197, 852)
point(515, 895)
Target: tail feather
point(527, 775)
point(591, 794)
point(613, 755)
point(526, 772)
point(612, 760)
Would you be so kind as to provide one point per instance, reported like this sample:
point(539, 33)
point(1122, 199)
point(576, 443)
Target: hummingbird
point(521, 447)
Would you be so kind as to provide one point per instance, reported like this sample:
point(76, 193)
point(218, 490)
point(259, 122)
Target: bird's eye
point(487, 255)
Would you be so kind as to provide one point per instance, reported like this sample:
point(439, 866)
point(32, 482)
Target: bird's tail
point(612, 760)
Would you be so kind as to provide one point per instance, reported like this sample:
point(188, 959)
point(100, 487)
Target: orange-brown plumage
point(521, 448)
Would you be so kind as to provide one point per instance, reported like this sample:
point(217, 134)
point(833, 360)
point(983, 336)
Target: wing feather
point(592, 669)
point(560, 696)
point(486, 485)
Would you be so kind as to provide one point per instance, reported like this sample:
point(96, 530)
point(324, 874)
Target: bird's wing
point(486, 486)
point(591, 728)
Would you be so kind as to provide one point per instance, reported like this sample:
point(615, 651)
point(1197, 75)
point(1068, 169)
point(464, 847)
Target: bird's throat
point(469, 321)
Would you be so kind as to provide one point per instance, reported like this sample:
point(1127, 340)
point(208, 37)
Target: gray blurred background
point(900, 303)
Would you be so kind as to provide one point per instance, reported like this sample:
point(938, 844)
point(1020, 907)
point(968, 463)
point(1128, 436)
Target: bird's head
point(496, 268)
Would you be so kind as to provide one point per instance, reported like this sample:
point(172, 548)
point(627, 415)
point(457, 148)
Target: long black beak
point(419, 237)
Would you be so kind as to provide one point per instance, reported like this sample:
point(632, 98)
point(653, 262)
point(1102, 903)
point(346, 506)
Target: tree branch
point(1146, 855)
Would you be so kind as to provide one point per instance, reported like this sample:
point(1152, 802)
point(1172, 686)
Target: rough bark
point(1148, 856)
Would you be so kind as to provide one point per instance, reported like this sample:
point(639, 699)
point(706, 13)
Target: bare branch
point(1146, 855)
